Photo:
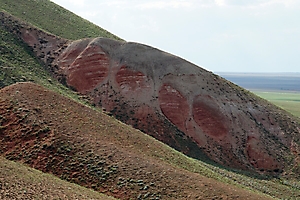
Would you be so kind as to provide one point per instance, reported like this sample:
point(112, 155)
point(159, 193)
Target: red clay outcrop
point(174, 106)
point(95, 69)
point(258, 158)
point(183, 105)
point(132, 82)
point(208, 117)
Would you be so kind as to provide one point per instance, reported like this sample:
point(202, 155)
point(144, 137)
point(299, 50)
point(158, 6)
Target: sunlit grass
point(54, 19)
point(289, 101)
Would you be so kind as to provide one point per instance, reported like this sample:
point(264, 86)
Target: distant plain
point(282, 89)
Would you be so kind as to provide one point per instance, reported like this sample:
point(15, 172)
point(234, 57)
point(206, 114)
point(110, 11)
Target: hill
point(186, 107)
point(57, 135)
point(49, 132)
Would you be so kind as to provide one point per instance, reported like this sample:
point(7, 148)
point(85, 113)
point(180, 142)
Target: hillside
point(186, 107)
point(242, 142)
point(59, 136)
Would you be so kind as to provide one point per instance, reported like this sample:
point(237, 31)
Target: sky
point(218, 35)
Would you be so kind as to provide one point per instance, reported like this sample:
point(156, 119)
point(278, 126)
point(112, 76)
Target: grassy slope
point(54, 19)
point(20, 182)
point(17, 62)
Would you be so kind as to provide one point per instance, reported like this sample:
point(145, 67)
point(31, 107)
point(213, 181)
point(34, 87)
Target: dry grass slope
point(20, 182)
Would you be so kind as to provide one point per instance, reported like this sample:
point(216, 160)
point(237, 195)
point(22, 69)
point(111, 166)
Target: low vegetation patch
point(20, 182)
point(289, 101)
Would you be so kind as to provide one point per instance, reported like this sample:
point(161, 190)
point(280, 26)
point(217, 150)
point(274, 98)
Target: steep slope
point(17, 61)
point(182, 105)
point(21, 65)
point(57, 135)
point(20, 182)
point(131, 73)
point(54, 19)
point(40, 43)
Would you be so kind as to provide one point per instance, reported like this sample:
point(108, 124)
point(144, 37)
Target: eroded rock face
point(183, 105)
point(174, 106)
point(208, 117)
point(88, 69)
point(260, 158)
point(133, 83)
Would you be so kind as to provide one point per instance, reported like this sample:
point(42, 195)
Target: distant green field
point(289, 101)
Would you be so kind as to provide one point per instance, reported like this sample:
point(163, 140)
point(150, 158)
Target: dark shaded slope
point(57, 135)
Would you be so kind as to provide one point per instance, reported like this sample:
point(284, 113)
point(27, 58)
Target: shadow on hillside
point(198, 154)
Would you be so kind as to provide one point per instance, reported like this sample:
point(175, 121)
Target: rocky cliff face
point(183, 105)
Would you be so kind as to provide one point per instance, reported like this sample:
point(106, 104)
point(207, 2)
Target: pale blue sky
point(218, 35)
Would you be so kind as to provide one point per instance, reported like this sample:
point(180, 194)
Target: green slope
point(54, 19)
point(287, 100)
point(18, 64)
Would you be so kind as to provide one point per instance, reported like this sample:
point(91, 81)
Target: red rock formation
point(73, 51)
point(177, 103)
point(258, 158)
point(174, 106)
point(208, 117)
point(89, 69)
point(131, 82)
